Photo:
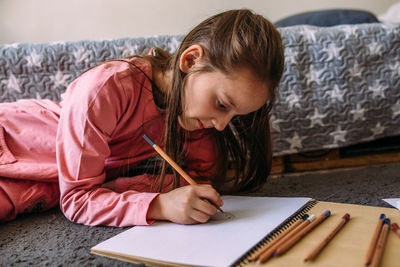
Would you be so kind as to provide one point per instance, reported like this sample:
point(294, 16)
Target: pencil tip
point(148, 140)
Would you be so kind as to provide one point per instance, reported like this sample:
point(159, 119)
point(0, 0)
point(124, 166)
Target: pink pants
point(21, 196)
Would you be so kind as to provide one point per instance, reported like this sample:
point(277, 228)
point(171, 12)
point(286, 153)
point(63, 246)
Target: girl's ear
point(190, 57)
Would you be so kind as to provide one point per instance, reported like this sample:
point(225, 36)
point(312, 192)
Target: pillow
point(392, 15)
point(326, 18)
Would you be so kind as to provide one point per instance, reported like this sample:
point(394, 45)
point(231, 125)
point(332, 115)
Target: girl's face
point(212, 99)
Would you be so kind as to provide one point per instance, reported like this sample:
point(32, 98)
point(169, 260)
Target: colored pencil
point(286, 246)
point(396, 228)
point(315, 252)
point(279, 237)
point(374, 239)
point(174, 165)
point(269, 252)
point(380, 245)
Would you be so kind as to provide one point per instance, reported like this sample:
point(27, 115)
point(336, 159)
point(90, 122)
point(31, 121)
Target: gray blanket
point(341, 85)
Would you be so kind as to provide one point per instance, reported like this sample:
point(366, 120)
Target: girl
point(207, 106)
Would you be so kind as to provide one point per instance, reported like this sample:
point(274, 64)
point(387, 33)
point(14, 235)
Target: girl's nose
point(221, 122)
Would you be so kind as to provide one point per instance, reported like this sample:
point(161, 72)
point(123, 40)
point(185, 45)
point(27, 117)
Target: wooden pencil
point(255, 256)
point(287, 245)
point(396, 229)
point(315, 252)
point(374, 239)
point(270, 251)
point(170, 161)
point(175, 165)
point(380, 245)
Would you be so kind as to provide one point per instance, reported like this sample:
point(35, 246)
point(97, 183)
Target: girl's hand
point(186, 205)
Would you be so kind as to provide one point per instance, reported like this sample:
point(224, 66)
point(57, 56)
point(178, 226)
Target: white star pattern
point(336, 93)
point(33, 59)
point(338, 135)
point(293, 100)
point(290, 56)
point(14, 45)
point(313, 74)
point(358, 113)
point(333, 51)
point(316, 118)
point(275, 123)
point(395, 68)
point(81, 55)
point(396, 109)
point(355, 70)
point(295, 141)
point(12, 83)
point(349, 30)
point(129, 50)
point(58, 43)
point(173, 45)
point(378, 130)
point(309, 34)
point(60, 79)
point(374, 48)
point(390, 28)
point(377, 90)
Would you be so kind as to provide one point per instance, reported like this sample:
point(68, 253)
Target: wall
point(57, 20)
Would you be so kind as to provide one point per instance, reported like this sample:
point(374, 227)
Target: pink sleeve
point(90, 111)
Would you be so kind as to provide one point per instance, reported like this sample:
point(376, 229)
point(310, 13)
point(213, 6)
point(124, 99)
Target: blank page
point(220, 242)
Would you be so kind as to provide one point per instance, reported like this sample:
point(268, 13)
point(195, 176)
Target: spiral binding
point(242, 261)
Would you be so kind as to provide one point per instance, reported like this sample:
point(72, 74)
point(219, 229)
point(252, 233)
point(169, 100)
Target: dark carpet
point(49, 239)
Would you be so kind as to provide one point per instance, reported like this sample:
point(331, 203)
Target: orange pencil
point(314, 253)
point(279, 237)
point(374, 239)
point(380, 245)
point(269, 252)
point(396, 228)
point(173, 164)
point(286, 246)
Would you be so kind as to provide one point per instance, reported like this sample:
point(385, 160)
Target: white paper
point(217, 243)
point(395, 202)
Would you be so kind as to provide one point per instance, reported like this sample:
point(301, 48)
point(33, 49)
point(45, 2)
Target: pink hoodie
point(91, 137)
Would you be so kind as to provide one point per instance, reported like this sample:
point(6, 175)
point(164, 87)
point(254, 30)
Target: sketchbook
point(249, 223)
point(220, 242)
point(394, 202)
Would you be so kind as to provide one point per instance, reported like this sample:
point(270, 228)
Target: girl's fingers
point(187, 205)
point(204, 206)
point(200, 216)
point(209, 193)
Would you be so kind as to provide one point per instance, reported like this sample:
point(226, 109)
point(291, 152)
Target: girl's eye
point(221, 106)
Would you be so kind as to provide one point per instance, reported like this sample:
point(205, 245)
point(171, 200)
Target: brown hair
point(231, 40)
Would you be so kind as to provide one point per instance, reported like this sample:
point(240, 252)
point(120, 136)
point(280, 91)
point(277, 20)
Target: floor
point(49, 239)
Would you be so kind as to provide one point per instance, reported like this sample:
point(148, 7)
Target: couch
point(341, 84)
